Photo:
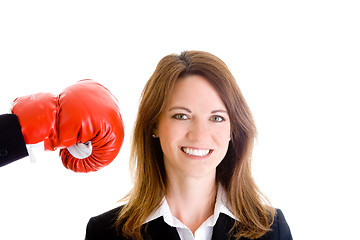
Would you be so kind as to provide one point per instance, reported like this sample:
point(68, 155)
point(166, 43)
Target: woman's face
point(194, 130)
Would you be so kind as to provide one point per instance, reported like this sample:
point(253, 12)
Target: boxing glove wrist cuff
point(30, 148)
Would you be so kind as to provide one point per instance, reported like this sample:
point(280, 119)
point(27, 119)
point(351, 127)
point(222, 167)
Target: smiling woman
point(194, 122)
point(191, 157)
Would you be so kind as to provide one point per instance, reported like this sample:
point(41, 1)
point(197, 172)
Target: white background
point(297, 63)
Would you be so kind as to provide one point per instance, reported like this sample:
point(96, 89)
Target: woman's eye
point(217, 119)
point(180, 116)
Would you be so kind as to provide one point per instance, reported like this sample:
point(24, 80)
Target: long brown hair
point(234, 172)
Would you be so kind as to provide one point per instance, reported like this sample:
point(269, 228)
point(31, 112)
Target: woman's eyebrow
point(181, 108)
point(219, 110)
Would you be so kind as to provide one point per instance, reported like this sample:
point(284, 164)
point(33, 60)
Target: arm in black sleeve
point(12, 144)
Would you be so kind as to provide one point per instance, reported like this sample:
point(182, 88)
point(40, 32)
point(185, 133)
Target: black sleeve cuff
point(12, 143)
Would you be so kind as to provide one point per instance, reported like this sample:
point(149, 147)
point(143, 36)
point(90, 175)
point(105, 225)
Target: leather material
point(84, 112)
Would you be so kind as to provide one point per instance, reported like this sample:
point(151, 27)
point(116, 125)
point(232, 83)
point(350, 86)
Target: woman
point(191, 152)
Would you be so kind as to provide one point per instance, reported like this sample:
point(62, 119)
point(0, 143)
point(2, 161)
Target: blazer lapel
point(222, 228)
point(157, 229)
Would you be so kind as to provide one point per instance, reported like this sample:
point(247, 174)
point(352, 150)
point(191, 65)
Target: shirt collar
point(221, 206)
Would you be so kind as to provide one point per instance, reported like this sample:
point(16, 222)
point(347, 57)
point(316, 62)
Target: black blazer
point(102, 228)
point(12, 144)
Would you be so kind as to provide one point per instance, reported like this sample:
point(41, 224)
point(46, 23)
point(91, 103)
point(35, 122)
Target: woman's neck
point(191, 200)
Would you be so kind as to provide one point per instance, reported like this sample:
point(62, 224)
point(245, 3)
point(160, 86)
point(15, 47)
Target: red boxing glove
point(84, 121)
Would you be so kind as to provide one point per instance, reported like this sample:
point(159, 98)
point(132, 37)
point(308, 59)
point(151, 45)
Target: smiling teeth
point(195, 152)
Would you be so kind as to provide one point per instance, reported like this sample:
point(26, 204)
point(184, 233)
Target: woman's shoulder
point(103, 226)
point(281, 223)
point(109, 216)
point(279, 229)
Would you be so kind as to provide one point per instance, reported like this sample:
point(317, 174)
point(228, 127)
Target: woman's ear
point(155, 132)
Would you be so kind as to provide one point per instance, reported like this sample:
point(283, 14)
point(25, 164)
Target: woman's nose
point(198, 131)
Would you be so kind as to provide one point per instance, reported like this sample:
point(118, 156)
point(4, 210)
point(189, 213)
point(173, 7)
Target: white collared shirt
point(204, 232)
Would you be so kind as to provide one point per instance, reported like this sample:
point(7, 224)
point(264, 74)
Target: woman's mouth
point(196, 152)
